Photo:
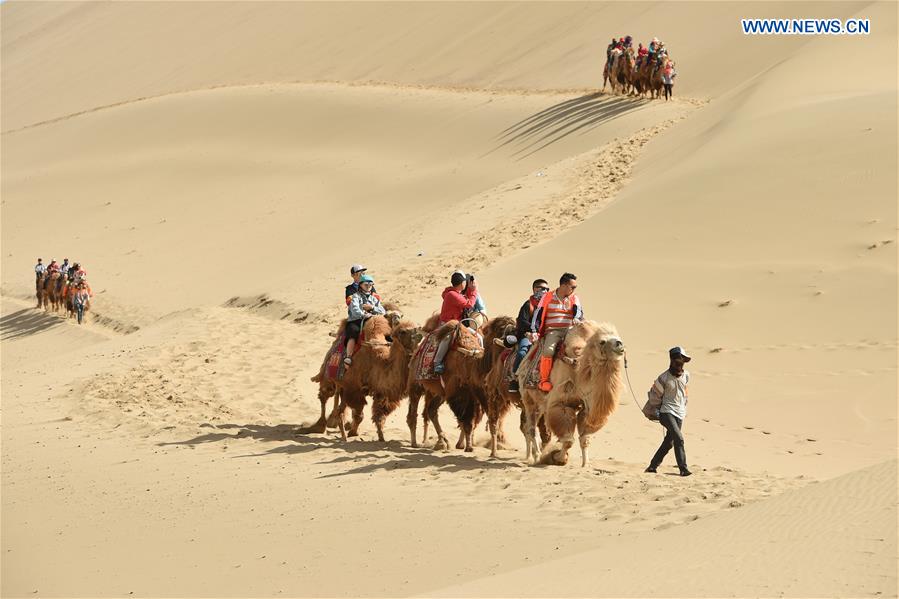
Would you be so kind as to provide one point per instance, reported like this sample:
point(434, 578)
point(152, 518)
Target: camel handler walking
point(456, 300)
point(556, 312)
point(363, 304)
point(668, 404)
point(668, 75)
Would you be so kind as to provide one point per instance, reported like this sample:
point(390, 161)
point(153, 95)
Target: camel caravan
point(561, 371)
point(63, 286)
point(649, 69)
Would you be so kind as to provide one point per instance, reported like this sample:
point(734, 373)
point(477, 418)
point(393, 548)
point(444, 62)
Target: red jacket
point(454, 302)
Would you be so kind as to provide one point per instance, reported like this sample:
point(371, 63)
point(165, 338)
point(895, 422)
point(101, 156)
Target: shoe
point(685, 473)
point(347, 361)
point(545, 386)
point(650, 469)
point(513, 387)
point(439, 368)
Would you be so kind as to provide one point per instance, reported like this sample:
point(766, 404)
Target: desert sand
point(217, 167)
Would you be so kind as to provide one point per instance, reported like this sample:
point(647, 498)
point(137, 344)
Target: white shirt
point(673, 391)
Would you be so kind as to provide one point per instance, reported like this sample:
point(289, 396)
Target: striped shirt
point(560, 313)
point(673, 391)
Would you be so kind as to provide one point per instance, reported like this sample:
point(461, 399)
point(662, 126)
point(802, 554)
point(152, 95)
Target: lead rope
point(629, 385)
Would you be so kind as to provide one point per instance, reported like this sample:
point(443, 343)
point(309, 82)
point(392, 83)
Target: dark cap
point(678, 351)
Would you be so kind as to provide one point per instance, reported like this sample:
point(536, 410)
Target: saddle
point(423, 358)
point(531, 362)
point(334, 366)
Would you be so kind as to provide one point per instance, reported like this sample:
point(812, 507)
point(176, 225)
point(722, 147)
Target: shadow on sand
point(25, 322)
point(390, 455)
point(557, 122)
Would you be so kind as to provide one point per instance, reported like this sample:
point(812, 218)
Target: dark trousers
point(674, 436)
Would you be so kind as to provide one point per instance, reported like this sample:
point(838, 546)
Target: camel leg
point(530, 435)
point(426, 422)
point(442, 443)
point(340, 423)
point(523, 427)
point(492, 425)
point(379, 414)
point(319, 426)
point(357, 420)
point(412, 417)
point(583, 437)
point(331, 422)
point(545, 435)
point(460, 444)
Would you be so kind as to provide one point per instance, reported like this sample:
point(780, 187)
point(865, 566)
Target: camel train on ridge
point(68, 289)
point(649, 70)
point(395, 360)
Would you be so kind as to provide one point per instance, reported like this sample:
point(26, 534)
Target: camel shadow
point(25, 322)
point(557, 122)
point(259, 432)
point(390, 455)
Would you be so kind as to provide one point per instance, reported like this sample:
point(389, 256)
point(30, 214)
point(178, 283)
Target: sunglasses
point(544, 289)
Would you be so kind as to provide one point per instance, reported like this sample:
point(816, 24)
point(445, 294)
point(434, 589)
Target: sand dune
point(739, 553)
point(218, 166)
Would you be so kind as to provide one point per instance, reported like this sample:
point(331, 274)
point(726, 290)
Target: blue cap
point(366, 279)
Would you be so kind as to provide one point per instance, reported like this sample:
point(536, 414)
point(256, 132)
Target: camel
point(655, 80)
point(499, 400)
point(52, 291)
point(608, 72)
point(641, 76)
point(588, 396)
point(566, 360)
point(623, 70)
point(327, 388)
point(41, 291)
point(380, 369)
point(416, 391)
point(461, 386)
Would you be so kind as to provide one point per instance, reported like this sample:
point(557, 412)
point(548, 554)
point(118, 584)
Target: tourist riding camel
point(461, 295)
point(39, 269)
point(539, 288)
point(363, 305)
point(556, 312)
point(357, 271)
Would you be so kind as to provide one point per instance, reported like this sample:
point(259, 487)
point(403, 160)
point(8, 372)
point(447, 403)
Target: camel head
point(605, 344)
point(407, 335)
point(394, 317)
point(576, 341)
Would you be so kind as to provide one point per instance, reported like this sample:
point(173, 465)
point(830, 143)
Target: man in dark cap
point(669, 393)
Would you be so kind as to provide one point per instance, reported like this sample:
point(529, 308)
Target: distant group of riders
point(648, 69)
point(62, 284)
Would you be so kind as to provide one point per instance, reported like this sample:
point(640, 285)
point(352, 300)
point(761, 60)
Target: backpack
point(652, 405)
